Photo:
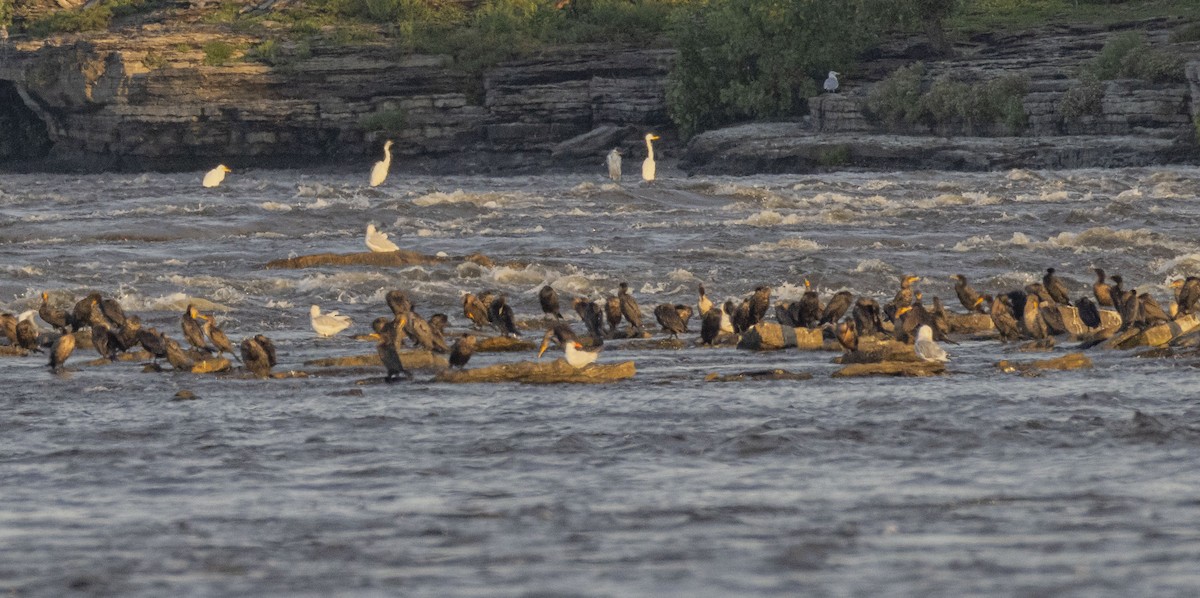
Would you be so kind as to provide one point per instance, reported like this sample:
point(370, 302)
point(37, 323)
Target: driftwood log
point(541, 372)
point(394, 259)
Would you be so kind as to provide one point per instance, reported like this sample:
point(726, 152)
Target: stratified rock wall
point(150, 101)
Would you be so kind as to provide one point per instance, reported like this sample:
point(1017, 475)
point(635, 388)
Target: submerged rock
point(892, 368)
point(758, 375)
point(411, 360)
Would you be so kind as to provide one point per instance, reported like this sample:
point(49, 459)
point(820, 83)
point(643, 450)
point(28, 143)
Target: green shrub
point(387, 121)
point(835, 156)
point(1186, 33)
point(154, 61)
point(1128, 56)
point(95, 18)
point(747, 59)
point(1083, 99)
point(217, 53)
point(895, 101)
point(267, 52)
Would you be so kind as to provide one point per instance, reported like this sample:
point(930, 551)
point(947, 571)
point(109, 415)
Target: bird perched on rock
point(831, 82)
point(577, 357)
point(329, 323)
point(548, 298)
point(462, 351)
point(256, 357)
point(61, 351)
point(926, 348)
point(669, 319)
point(475, 310)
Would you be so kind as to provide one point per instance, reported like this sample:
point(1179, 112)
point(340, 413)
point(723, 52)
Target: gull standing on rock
point(926, 348)
point(614, 165)
point(215, 176)
point(831, 82)
point(648, 166)
point(328, 324)
point(378, 241)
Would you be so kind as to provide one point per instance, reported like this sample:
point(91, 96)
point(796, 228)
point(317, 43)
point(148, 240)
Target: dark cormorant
point(1102, 291)
point(176, 355)
point(61, 351)
point(58, 318)
point(27, 332)
point(218, 337)
point(86, 311)
point(560, 333)
point(1056, 288)
point(630, 309)
point(549, 300)
point(967, 296)
point(759, 302)
point(255, 358)
point(868, 321)
point(1089, 314)
point(475, 310)
point(8, 327)
point(398, 302)
point(902, 298)
point(589, 312)
point(685, 314)
point(105, 342)
point(423, 335)
point(501, 316)
point(808, 309)
point(462, 351)
point(741, 316)
point(1152, 312)
point(837, 307)
point(1035, 324)
point(193, 333)
point(703, 304)
point(1039, 290)
point(269, 347)
point(127, 335)
point(612, 313)
point(153, 343)
point(710, 325)
point(112, 311)
point(846, 335)
point(1003, 317)
point(669, 319)
point(784, 313)
point(1187, 293)
point(388, 350)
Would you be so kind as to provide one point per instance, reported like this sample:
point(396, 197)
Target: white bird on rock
point(379, 172)
point(378, 241)
point(614, 165)
point(648, 164)
point(577, 357)
point(831, 82)
point(926, 348)
point(328, 324)
point(215, 176)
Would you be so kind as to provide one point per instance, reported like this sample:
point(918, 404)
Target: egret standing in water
point(614, 165)
point(215, 176)
point(831, 82)
point(648, 163)
point(380, 171)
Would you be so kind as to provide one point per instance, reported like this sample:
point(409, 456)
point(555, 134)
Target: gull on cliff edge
point(831, 82)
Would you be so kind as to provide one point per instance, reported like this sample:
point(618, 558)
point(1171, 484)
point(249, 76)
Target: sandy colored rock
point(758, 375)
point(211, 365)
point(878, 351)
point(892, 368)
point(535, 372)
point(972, 323)
point(1155, 336)
point(1070, 361)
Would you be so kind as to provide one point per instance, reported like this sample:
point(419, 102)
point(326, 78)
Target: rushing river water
point(977, 482)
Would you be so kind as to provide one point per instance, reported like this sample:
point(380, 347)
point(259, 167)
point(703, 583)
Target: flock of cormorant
point(1019, 314)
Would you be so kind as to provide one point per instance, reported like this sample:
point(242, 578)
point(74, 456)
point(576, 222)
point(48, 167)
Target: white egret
point(614, 165)
point(328, 324)
point(215, 176)
point(926, 348)
point(380, 171)
point(378, 241)
point(648, 163)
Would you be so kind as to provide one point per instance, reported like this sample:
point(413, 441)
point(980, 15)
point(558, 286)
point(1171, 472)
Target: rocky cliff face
point(150, 101)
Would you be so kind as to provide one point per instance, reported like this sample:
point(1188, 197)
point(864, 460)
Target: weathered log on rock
point(758, 375)
point(394, 259)
point(1157, 335)
point(878, 352)
point(503, 344)
point(411, 360)
point(772, 336)
point(972, 323)
point(892, 368)
point(535, 372)
point(1070, 361)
